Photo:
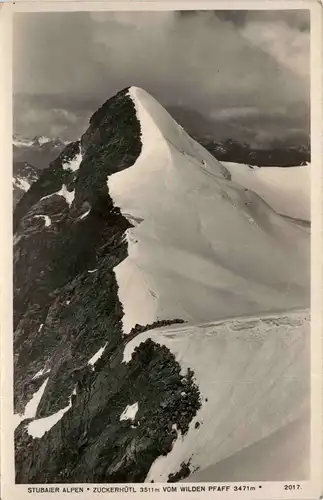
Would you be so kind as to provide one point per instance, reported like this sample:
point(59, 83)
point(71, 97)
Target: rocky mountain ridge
point(75, 311)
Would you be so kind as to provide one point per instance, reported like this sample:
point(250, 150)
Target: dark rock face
point(183, 472)
point(117, 451)
point(63, 314)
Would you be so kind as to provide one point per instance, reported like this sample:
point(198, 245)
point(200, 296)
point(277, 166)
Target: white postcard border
point(263, 490)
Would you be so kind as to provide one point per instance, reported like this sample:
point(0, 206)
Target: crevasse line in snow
point(85, 214)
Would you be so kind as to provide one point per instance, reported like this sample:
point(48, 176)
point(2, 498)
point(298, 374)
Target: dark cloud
point(250, 68)
point(238, 17)
point(295, 19)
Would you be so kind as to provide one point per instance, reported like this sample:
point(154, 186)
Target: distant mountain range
point(24, 175)
point(221, 139)
point(38, 152)
point(278, 155)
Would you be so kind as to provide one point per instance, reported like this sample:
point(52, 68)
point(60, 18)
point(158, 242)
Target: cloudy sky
point(238, 74)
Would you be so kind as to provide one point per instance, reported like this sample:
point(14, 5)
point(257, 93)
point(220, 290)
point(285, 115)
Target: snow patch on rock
point(40, 373)
point(130, 412)
point(46, 218)
point(85, 214)
point(74, 164)
point(31, 406)
point(21, 183)
point(68, 195)
point(37, 428)
point(97, 355)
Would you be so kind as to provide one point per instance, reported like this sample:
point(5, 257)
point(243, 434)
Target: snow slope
point(283, 455)
point(253, 376)
point(286, 190)
point(201, 247)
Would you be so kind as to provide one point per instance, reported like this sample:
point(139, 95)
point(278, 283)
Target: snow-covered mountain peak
point(197, 251)
point(156, 123)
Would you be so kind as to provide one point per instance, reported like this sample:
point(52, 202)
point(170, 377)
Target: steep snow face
point(287, 190)
point(202, 248)
point(253, 377)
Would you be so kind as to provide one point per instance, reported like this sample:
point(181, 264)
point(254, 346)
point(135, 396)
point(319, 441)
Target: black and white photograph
point(161, 192)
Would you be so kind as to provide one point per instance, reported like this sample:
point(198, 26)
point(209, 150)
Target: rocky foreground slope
point(134, 227)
